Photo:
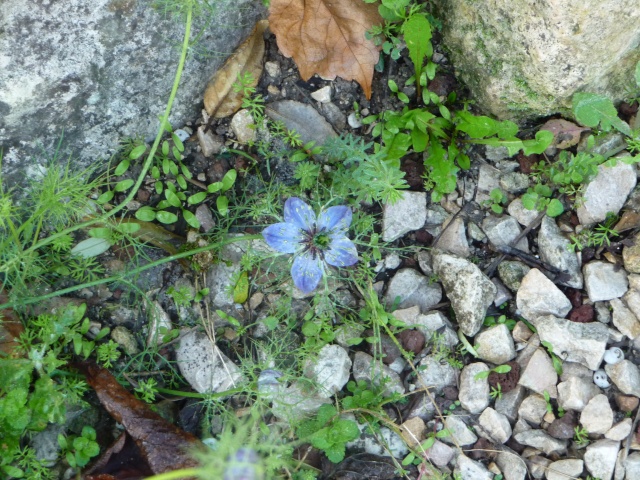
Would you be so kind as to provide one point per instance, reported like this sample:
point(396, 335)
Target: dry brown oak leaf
point(220, 99)
point(327, 37)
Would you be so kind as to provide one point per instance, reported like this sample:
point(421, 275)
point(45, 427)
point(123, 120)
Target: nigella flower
point(314, 242)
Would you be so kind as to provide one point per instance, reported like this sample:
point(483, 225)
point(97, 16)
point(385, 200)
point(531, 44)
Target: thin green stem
point(135, 271)
point(147, 164)
point(177, 474)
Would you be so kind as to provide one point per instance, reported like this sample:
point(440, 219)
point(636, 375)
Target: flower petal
point(306, 272)
point(283, 237)
point(342, 252)
point(335, 218)
point(299, 213)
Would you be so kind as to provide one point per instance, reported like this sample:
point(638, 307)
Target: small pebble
point(353, 120)
point(182, 134)
point(322, 95)
point(600, 379)
point(613, 355)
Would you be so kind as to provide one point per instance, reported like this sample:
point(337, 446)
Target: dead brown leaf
point(10, 328)
point(220, 100)
point(565, 134)
point(327, 37)
point(162, 445)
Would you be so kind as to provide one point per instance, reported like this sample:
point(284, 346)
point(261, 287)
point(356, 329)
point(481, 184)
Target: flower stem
point(135, 271)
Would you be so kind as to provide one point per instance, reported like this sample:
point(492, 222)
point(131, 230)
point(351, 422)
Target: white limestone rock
point(539, 296)
point(407, 214)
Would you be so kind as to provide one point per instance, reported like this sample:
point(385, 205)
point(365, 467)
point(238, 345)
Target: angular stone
point(436, 374)
point(502, 231)
point(632, 466)
point(626, 376)
point(369, 370)
point(511, 465)
point(604, 281)
point(407, 214)
point(440, 454)
point(554, 249)
point(607, 192)
point(600, 458)
point(565, 469)
point(303, 118)
point(460, 431)
point(413, 288)
point(509, 402)
point(123, 337)
point(512, 273)
point(539, 374)
point(575, 393)
point(243, 127)
point(624, 319)
point(533, 409)
point(514, 182)
point(495, 345)
point(494, 426)
point(597, 416)
point(488, 180)
point(468, 469)
point(539, 296)
point(631, 256)
point(542, 441)
point(204, 366)
point(453, 238)
point(515, 62)
point(523, 215)
point(538, 466)
point(412, 431)
point(330, 370)
point(620, 430)
point(474, 392)
point(297, 402)
point(468, 289)
point(584, 343)
point(632, 299)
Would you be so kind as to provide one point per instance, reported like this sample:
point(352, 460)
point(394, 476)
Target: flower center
point(321, 240)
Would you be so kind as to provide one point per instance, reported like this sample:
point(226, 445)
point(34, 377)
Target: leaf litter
point(327, 38)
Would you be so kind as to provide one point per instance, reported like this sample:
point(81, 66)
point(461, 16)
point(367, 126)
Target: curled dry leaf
point(565, 134)
point(327, 37)
point(220, 99)
point(164, 446)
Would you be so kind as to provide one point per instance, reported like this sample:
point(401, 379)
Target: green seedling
point(557, 363)
point(498, 200)
point(501, 320)
point(328, 432)
point(581, 435)
point(496, 392)
point(486, 373)
point(79, 450)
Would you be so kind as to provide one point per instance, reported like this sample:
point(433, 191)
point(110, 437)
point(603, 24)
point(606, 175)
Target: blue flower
point(313, 241)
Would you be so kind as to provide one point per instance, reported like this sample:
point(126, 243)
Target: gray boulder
point(100, 71)
point(520, 61)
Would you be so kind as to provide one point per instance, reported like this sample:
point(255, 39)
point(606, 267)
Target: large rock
point(100, 71)
point(583, 343)
point(607, 192)
point(554, 249)
point(539, 296)
point(519, 60)
point(469, 290)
